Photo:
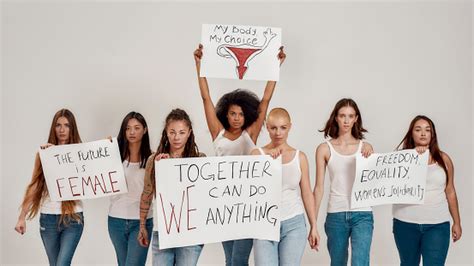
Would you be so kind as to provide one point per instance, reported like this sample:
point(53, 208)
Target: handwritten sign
point(83, 171)
point(214, 199)
point(240, 52)
point(387, 178)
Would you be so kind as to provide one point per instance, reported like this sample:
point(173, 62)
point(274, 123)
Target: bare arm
point(322, 157)
point(308, 201)
point(452, 199)
point(146, 201)
point(256, 127)
point(213, 122)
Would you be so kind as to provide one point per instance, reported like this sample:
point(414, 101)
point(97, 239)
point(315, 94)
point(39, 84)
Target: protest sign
point(388, 178)
point(83, 171)
point(240, 52)
point(214, 199)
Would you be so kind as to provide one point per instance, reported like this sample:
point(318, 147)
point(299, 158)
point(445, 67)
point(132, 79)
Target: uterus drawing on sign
point(244, 53)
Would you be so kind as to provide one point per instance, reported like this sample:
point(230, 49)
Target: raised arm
point(254, 129)
point(308, 201)
point(145, 201)
point(322, 157)
point(452, 199)
point(213, 122)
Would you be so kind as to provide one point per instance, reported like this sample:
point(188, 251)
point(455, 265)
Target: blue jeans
point(123, 234)
point(430, 241)
point(182, 256)
point(289, 250)
point(358, 226)
point(60, 239)
point(237, 252)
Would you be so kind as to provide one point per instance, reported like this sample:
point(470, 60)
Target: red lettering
point(59, 187)
point(113, 182)
point(172, 215)
point(189, 210)
point(71, 186)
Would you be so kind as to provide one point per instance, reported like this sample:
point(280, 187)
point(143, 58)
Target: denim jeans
point(430, 241)
point(182, 256)
point(60, 239)
point(289, 250)
point(237, 252)
point(123, 234)
point(356, 226)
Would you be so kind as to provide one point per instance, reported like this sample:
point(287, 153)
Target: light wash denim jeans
point(430, 241)
point(182, 256)
point(237, 252)
point(60, 239)
point(356, 226)
point(123, 234)
point(289, 250)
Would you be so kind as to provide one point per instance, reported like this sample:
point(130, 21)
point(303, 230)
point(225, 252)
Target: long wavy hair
point(408, 141)
point(145, 149)
point(190, 149)
point(37, 189)
point(332, 128)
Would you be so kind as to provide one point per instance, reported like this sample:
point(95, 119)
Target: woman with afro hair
point(235, 123)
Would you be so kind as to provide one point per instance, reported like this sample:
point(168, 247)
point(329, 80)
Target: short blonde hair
point(279, 112)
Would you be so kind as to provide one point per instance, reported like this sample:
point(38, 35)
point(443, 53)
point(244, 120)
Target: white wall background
point(102, 60)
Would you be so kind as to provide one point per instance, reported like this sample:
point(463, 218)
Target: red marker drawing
point(244, 53)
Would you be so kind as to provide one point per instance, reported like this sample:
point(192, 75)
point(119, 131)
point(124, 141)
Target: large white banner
point(387, 178)
point(83, 171)
point(214, 199)
point(240, 52)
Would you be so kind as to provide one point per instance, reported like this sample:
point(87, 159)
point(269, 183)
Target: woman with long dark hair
point(177, 141)
point(337, 155)
point(235, 124)
point(61, 222)
point(124, 210)
point(424, 230)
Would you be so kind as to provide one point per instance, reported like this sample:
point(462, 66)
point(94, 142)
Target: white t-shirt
point(435, 209)
point(127, 205)
point(341, 170)
point(243, 145)
point(54, 207)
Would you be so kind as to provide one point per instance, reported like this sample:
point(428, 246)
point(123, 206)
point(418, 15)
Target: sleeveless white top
point(243, 145)
point(291, 201)
point(435, 209)
point(341, 170)
point(127, 205)
point(54, 207)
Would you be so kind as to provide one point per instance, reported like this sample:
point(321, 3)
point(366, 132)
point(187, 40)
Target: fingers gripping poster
point(83, 171)
point(240, 52)
point(214, 199)
point(388, 178)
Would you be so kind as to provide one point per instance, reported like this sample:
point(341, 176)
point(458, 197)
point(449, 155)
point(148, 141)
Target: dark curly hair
point(247, 100)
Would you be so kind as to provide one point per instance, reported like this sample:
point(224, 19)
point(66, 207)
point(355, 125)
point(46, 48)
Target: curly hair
point(247, 100)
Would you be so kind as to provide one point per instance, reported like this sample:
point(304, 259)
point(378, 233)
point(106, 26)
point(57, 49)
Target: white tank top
point(243, 145)
point(291, 202)
point(127, 205)
point(435, 209)
point(341, 170)
point(54, 207)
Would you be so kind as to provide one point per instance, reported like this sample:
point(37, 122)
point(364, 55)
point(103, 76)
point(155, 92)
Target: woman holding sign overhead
point(177, 141)
point(423, 230)
point(338, 155)
point(235, 124)
point(296, 198)
point(124, 215)
point(61, 222)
